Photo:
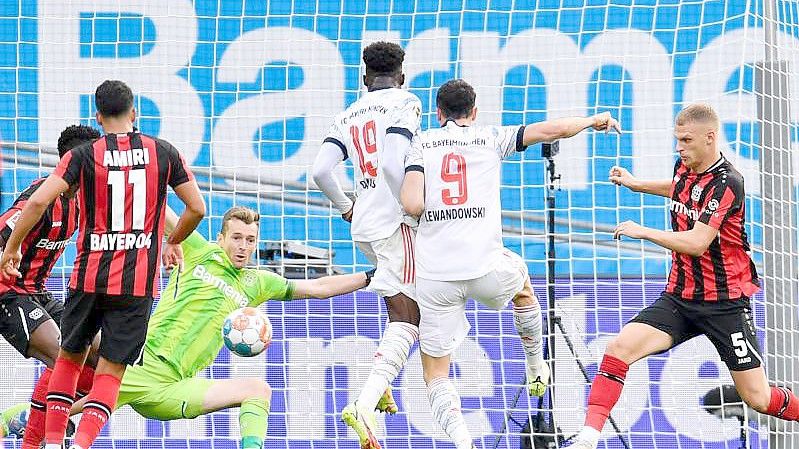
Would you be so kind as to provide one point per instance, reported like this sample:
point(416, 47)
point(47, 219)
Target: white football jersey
point(359, 131)
point(460, 230)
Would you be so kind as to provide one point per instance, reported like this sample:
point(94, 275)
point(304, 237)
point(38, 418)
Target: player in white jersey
point(382, 121)
point(452, 182)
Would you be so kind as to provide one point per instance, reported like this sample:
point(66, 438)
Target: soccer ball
point(247, 332)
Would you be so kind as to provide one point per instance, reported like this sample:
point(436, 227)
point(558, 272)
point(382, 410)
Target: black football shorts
point(727, 323)
point(122, 320)
point(23, 313)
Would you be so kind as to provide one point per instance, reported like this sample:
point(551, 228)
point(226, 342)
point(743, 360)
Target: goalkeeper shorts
point(443, 325)
point(155, 391)
point(393, 258)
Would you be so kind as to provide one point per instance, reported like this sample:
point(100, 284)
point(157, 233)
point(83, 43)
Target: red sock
point(34, 430)
point(98, 408)
point(85, 380)
point(60, 397)
point(783, 404)
point(605, 391)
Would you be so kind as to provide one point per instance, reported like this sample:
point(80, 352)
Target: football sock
point(34, 430)
point(60, 397)
point(253, 418)
point(605, 391)
point(783, 404)
point(446, 405)
point(98, 408)
point(389, 359)
point(527, 320)
point(85, 381)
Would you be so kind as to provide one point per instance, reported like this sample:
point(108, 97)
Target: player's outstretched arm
point(622, 177)
point(323, 174)
point(37, 204)
point(329, 286)
point(693, 242)
point(561, 128)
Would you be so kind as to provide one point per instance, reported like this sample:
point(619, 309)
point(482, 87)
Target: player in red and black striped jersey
point(122, 180)
point(29, 315)
point(712, 277)
point(713, 197)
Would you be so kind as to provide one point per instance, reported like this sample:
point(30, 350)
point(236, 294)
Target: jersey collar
point(452, 120)
point(715, 165)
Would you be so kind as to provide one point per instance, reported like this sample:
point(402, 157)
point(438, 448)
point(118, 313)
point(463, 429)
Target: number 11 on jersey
point(116, 180)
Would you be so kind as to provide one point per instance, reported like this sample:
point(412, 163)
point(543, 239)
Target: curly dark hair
point(75, 135)
point(383, 58)
point(113, 98)
point(456, 99)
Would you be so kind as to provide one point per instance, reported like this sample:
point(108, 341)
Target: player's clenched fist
point(620, 176)
point(10, 263)
point(604, 122)
point(630, 229)
point(172, 256)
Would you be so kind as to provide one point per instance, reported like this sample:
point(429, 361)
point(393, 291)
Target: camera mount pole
point(554, 323)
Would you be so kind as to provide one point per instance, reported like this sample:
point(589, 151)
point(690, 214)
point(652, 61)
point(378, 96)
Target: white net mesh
point(247, 89)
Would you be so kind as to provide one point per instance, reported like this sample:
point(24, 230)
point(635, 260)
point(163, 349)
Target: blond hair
point(242, 213)
point(698, 113)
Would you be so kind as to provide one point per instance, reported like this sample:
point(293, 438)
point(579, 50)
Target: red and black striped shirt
point(44, 244)
point(714, 197)
point(123, 181)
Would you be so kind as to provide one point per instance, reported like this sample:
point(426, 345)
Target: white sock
point(446, 405)
point(389, 359)
point(527, 320)
point(53, 446)
point(588, 433)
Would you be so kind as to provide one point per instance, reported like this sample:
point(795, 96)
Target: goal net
point(246, 90)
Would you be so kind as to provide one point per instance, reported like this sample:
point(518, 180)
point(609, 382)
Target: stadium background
point(248, 90)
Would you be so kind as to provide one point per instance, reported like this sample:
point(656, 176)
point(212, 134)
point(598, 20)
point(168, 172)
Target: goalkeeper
point(184, 334)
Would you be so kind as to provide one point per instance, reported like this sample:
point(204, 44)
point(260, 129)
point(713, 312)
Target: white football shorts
point(442, 304)
point(393, 258)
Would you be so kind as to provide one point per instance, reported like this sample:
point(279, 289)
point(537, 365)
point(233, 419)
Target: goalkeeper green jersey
point(185, 329)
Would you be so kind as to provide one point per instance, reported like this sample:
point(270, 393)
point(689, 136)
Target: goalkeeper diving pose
point(452, 182)
point(712, 277)
point(184, 333)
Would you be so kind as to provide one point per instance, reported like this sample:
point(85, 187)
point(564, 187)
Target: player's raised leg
point(635, 341)
point(528, 323)
point(252, 396)
point(527, 319)
point(732, 332)
point(753, 387)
